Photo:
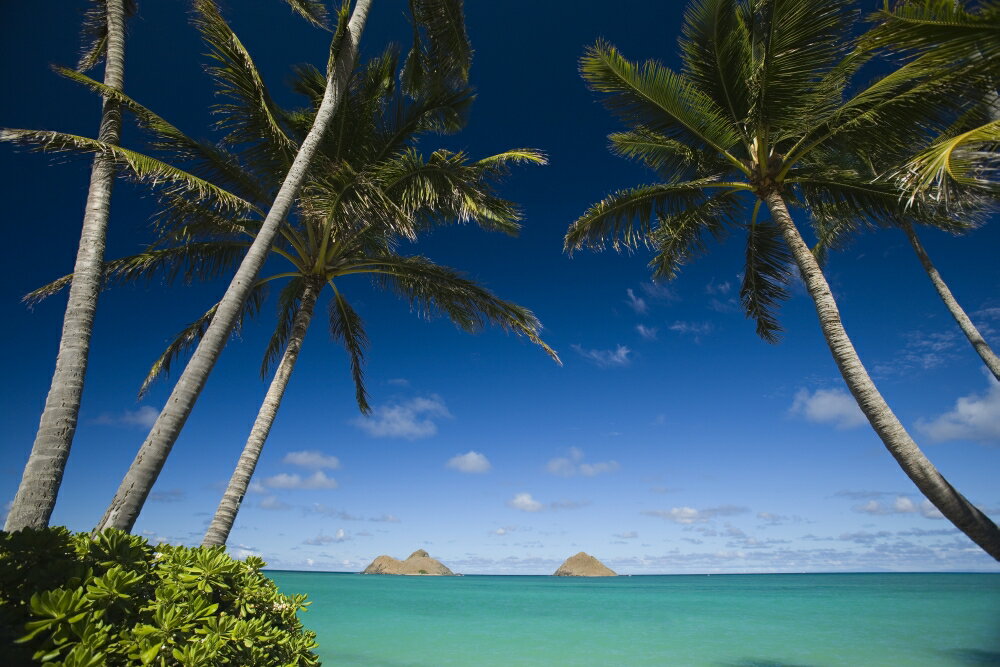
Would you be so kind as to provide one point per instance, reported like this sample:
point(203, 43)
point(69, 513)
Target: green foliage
point(75, 601)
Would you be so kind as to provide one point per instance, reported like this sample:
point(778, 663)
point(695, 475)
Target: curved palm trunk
point(229, 506)
point(36, 495)
point(139, 479)
point(931, 483)
point(965, 324)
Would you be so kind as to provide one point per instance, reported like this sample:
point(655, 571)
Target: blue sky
point(672, 440)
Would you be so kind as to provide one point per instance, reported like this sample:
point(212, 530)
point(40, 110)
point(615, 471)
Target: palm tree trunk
point(225, 515)
point(139, 479)
point(964, 323)
point(931, 483)
point(36, 495)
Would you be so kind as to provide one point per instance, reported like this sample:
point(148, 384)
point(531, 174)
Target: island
point(418, 564)
point(584, 565)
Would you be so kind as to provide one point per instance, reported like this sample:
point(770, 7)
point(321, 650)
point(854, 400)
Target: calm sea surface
point(776, 620)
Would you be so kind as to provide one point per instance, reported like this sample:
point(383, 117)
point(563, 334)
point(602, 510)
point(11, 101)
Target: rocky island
point(419, 563)
point(584, 565)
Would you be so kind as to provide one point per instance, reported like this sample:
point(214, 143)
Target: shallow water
point(773, 620)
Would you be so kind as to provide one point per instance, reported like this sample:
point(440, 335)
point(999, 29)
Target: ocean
point(758, 620)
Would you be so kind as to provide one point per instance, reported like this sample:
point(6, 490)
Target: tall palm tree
point(965, 157)
point(104, 35)
point(368, 186)
point(748, 125)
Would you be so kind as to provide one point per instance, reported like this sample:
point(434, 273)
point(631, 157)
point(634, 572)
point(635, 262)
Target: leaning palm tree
point(104, 38)
point(749, 126)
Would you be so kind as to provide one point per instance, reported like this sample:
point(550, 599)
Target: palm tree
point(752, 123)
point(948, 37)
point(104, 35)
point(368, 187)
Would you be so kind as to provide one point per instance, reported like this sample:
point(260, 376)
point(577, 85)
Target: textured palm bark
point(229, 506)
point(965, 324)
point(142, 474)
point(953, 505)
point(36, 495)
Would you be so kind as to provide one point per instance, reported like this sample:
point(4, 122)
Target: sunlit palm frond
point(969, 159)
point(944, 31)
point(347, 327)
point(288, 304)
point(432, 289)
point(142, 168)
point(252, 119)
point(765, 275)
point(653, 97)
point(669, 158)
point(313, 11)
point(210, 162)
point(94, 32)
point(625, 219)
point(192, 333)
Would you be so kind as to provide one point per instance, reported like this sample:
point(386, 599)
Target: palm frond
point(625, 218)
point(764, 278)
point(190, 335)
point(141, 168)
point(441, 54)
point(252, 119)
point(347, 327)
point(313, 11)
point(432, 289)
point(660, 100)
point(680, 234)
point(94, 32)
point(210, 162)
point(944, 31)
point(669, 158)
point(968, 159)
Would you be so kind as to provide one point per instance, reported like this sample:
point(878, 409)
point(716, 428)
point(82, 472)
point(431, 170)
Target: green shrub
point(79, 602)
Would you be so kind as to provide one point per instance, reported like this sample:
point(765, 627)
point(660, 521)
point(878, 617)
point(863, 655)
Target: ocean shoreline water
point(733, 620)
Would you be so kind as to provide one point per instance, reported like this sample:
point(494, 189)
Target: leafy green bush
point(79, 602)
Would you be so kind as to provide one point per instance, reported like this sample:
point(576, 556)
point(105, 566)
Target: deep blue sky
point(693, 448)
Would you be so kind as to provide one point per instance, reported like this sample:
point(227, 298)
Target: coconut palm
point(104, 39)
point(749, 125)
point(368, 188)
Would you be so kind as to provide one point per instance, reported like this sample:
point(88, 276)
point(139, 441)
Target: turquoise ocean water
point(772, 620)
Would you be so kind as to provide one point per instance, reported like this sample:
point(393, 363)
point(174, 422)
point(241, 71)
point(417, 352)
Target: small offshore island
point(584, 565)
point(418, 564)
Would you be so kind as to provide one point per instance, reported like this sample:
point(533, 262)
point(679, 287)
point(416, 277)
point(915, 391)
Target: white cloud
point(320, 539)
point(410, 419)
point(658, 292)
point(689, 515)
point(718, 288)
point(525, 503)
point(573, 465)
point(636, 303)
point(145, 417)
point(605, 358)
point(693, 329)
point(317, 480)
point(256, 487)
point(828, 406)
point(385, 518)
point(901, 505)
point(398, 382)
point(169, 496)
point(975, 417)
point(311, 459)
point(629, 535)
point(470, 462)
point(647, 333)
point(273, 503)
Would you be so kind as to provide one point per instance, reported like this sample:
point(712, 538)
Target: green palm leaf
point(347, 327)
point(313, 11)
point(94, 32)
point(764, 278)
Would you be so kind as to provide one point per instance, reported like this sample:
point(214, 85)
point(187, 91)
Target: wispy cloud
point(273, 503)
point(690, 515)
point(169, 496)
point(636, 303)
point(828, 406)
point(975, 417)
point(647, 333)
point(658, 292)
point(573, 465)
point(606, 358)
point(398, 382)
point(901, 505)
point(628, 535)
point(311, 459)
point(721, 289)
point(144, 417)
point(694, 329)
point(321, 539)
point(920, 351)
point(470, 462)
point(317, 480)
point(525, 503)
point(412, 419)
